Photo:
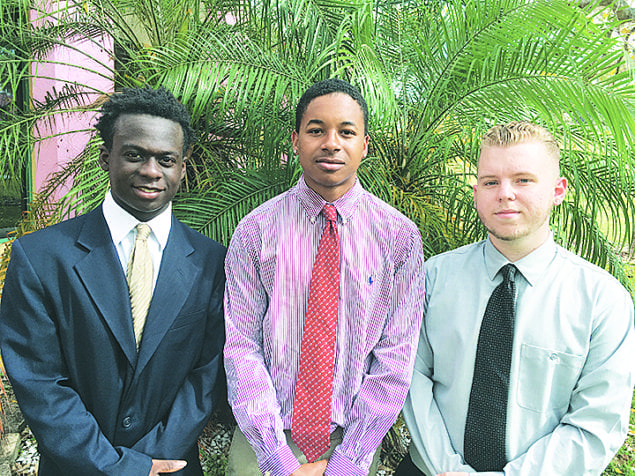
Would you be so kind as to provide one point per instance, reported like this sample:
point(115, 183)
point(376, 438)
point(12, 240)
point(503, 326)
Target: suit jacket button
point(126, 422)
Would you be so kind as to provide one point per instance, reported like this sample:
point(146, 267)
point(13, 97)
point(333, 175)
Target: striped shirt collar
point(313, 203)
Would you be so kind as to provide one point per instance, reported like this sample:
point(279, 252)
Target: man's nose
point(331, 140)
point(151, 168)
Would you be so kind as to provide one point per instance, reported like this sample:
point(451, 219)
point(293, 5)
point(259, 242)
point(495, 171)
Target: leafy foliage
point(436, 74)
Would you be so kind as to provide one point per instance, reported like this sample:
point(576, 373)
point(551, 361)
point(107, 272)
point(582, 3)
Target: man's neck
point(517, 249)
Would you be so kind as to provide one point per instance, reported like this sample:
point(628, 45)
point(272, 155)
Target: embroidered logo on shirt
point(370, 280)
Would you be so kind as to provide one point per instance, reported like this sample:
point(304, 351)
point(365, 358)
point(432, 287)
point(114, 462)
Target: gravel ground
point(27, 460)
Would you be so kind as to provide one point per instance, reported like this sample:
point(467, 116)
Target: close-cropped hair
point(154, 102)
point(330, 86)
point(519, 132)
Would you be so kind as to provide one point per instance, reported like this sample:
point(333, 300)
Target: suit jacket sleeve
point(35, 363)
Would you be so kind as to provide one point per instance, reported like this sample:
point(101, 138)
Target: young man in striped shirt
point(275, 267)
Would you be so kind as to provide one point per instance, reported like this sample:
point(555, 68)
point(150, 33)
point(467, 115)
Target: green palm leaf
point(435, 74)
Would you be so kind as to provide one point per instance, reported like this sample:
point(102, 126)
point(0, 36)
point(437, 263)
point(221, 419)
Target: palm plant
point(436, 74)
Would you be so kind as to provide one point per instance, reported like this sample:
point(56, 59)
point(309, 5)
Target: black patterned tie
point(484, 444)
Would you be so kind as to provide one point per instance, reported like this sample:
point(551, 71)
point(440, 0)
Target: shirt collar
point(532, 266)
point(313, 203)
point(121, 222)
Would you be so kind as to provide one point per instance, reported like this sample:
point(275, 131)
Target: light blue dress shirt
point(572, 369)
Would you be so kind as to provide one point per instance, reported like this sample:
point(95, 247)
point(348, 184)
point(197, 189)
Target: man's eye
point(133, 155)
point(314, 131)
point(348, 132)
point(167, 161)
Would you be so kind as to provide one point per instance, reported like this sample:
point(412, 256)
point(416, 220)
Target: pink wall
point(75, 63)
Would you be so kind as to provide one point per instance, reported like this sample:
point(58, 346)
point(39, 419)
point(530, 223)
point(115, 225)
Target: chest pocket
point(547, 378)
point(186, 320)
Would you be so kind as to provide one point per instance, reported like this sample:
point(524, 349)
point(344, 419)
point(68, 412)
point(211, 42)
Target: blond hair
point(519, 132)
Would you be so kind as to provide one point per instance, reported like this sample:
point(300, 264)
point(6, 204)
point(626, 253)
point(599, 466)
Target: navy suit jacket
point(95, 406)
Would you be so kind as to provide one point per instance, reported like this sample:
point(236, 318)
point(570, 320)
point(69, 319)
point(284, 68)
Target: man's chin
point(509, 236)
point(146, 211)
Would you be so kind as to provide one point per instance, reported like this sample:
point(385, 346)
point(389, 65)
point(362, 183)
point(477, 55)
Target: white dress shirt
point(122, 230)
point(571, 377)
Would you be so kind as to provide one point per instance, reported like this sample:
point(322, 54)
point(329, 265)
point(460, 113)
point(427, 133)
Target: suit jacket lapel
point(101, 272)
point(177, 275)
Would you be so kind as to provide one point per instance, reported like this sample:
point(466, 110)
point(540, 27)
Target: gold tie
point(140, 277)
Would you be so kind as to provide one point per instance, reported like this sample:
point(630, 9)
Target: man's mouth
point(145, 189)
point(330, 163)
point(508, 213)
point(330, 160)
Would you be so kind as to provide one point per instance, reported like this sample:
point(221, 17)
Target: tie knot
point(143, 231)
point(330, 213)
point(508, 271)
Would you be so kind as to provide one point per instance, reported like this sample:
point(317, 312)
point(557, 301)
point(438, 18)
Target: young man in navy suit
point(101, 398)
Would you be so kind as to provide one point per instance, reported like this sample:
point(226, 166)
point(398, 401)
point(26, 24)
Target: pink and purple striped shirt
point(268, 266)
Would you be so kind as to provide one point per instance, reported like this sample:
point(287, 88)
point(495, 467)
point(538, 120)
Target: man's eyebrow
point(320, 122)
point(516, 174)
point(143, 149)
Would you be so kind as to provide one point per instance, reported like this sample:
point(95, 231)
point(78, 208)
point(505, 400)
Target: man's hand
point(166, 466)
point(453, 473)
point(312, 469)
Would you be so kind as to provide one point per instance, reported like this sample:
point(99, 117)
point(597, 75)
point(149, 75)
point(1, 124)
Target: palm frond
point(216, 213)
point(435, 75)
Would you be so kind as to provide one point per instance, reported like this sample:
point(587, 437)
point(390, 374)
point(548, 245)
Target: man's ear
point(104, 157)
point(559, 191)
point(294, 142)
point(186, 157)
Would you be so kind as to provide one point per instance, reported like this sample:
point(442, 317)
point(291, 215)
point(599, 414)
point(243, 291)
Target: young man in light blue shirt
point(569, 379)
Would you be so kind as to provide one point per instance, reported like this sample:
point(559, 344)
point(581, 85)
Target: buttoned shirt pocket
point(546, 378)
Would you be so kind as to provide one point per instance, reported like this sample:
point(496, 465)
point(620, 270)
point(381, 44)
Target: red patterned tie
point(310, 427)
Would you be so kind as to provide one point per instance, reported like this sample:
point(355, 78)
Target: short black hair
point(154, 102)
point(330, 86)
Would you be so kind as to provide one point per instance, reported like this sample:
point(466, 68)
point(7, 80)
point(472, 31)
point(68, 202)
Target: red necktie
point(310, 426)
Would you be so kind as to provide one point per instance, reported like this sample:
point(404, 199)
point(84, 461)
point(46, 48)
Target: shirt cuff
point(280, 463)
point(340, 464)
